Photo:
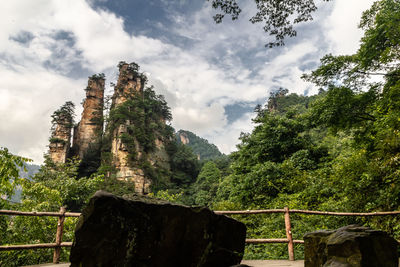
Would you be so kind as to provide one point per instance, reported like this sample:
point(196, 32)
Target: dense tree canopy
point(9, 171)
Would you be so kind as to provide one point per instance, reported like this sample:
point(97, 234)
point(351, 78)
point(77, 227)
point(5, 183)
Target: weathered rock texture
point(184, 138)
point(60, 140)
point(350, 246)
point(129, 83)
point(141, 232)
point(89, 130)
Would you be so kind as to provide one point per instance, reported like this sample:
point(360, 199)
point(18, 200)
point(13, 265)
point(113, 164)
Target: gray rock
point(350, 246)
point(141, 231)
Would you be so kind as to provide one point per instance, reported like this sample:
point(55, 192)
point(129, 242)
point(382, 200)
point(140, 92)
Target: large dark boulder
point(115, 231)
point(350, 246)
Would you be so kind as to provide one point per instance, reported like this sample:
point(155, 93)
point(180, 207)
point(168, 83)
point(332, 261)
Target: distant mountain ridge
point(200, 146)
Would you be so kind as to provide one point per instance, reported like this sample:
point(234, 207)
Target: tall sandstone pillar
point(60, 140)
point(88, 132)
point(129, 83)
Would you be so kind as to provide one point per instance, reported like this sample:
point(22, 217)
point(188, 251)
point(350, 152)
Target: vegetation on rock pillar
point(64, 116)
point(60, 140)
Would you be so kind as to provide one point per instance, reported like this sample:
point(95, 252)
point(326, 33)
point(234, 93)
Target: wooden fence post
point(60, 226)
point(289, 234)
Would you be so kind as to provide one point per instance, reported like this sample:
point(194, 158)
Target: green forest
point(338, 150)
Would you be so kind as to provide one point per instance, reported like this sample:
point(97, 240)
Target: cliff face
point(184, 138)
point(134, 142)
point(60, 140)
point(88, 132)
point(129, 83)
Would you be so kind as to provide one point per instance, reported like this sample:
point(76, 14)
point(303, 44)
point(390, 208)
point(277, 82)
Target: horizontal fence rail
point(309, 212)
point(289, 240)
point(286, 211)
point(35, 246)
point(60, 226)
point(39, 213)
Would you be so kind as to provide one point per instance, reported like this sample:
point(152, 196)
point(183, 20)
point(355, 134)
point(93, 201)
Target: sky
point(212, 75)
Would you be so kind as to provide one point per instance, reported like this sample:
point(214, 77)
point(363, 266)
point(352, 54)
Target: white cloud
point(227, 145)
point(342, 25)
point(221, 65)
point(26, 105)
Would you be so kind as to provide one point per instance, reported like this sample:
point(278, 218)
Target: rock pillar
point(60, 140)
point(129, 83)
point(89, 129)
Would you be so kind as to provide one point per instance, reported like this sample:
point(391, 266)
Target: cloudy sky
point(211, 75)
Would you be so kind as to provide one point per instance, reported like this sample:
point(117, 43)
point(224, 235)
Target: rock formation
point(129, 83)
point(350, 246)
point(184, 138)
point(60, 140)
point(134, 141)
point(114, 231)
point(89, 130)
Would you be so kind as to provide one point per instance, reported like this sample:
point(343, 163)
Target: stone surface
point(114, 231)
point(350, 246)
point(89, 130)
point(184, 138)
point(60, 141)
point(129, 83)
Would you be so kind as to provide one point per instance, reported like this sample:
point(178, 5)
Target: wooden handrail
point(35, 246)
point(276, 240)
point(307, 212)
point(39, 213)
point(286, 211)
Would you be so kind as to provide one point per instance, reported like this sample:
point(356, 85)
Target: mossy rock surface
point(350, 246)
point(141, 231)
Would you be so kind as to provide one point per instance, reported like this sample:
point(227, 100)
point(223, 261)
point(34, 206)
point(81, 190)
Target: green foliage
point(166, 195)
point(279, 17)
point(64, 115)
point(91, 160)
point(99, 76)
point(199, 146)
point(55, 185)
point(342, 108)
point(274, 138)
point(184, 165)
point(336, 151)
point(63, 178)
point(206, 185)
point(57, 140)
point(9, 171)
point(147, 113)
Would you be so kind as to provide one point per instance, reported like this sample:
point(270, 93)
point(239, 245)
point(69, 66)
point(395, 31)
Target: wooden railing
point(286, 211)
point(289, 239)
point(60, 226)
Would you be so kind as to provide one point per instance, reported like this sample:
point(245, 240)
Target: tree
point(55, 185)
point(366, 109)
point(9, 171)
point(279, 16)
point(64, 115)
point(206, 185)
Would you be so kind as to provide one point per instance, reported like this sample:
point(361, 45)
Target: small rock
point(350, 246)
